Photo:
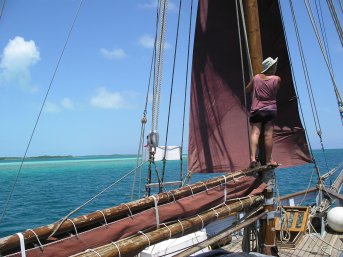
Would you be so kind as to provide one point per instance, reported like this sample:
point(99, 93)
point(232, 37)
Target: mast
point(255, 48)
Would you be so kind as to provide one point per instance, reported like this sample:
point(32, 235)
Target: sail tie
point(205, 186)
point(141, 232)
point(215, 213)
point(170, 233)
point(202, 221)
point(104, 217)
point(130, 215)
point(228, 208)
point(183, 230)
point(171, 194)
point(92, 250)
point(241, 202)
point(225, 189)
point(40, 244)
point(191, 189)
point(76, 234)
point(156, 212)
point(22, 244)
point(117, 248)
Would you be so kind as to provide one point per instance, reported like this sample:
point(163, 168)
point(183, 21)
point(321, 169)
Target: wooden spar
point(337, 185)
point(220, 236)
point(134, 245)
point(254, 36)
point(313, 189)
point(256, 56)
point(117, 212)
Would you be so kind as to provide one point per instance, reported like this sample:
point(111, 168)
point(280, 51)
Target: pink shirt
point(264, 93)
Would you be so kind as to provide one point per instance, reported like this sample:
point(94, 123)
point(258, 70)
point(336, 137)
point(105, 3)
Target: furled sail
point(219, 128)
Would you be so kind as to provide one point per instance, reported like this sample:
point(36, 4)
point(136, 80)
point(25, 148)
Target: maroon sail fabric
point(219, 128)
point(123, 228)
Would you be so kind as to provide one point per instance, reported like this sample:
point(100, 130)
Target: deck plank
point(310, 246)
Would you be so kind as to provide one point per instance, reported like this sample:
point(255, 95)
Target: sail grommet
point(76, 234)
point(183, 230)
point(106, 224)
point(119, 253)
point(92, 250)
point(202, 221)
point(130, 215)
point(141, 232)
point(170, 233)
point(40, 244)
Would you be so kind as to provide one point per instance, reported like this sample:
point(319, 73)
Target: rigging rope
point(2, 8)
point(308, 85)
point(40, 112)
point(338, 96)
point(242, 66)
point(297, 92)
point(144, 119)
point(159, 64)
point(323, 31)
point(335, 20)
point(186, 89)
point(94, 197)
point(171, 92)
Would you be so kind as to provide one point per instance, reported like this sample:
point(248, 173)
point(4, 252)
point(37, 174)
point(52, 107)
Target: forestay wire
point(338, 96)
point(308, 85)
point(2, 8)
point(171, 93)
point(186, 89)
point(40, 112)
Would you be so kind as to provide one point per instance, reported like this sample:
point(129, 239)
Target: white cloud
point(148, 41)
point(108, 100)
point(64, 104)
point(67, 103)
point(51, 107)
point(17, 58)
point(152, 4)
point(113, 54)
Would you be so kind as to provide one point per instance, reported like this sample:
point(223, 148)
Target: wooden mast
point(255, 48)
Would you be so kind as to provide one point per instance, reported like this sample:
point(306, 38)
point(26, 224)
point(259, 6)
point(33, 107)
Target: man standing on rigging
point(264, 88)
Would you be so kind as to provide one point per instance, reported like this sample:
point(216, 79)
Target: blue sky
point(97, 96)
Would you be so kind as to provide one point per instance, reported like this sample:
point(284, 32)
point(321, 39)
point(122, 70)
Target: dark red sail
point(219, 131)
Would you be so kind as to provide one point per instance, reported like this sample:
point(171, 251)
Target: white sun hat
point(267, 63)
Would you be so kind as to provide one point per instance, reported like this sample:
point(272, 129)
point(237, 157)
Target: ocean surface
point(48, 189)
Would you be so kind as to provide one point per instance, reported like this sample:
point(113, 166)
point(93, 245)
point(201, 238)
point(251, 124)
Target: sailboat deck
point(310, 245)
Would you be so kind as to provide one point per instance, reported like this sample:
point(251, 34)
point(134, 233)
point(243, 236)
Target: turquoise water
point(48, 189)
